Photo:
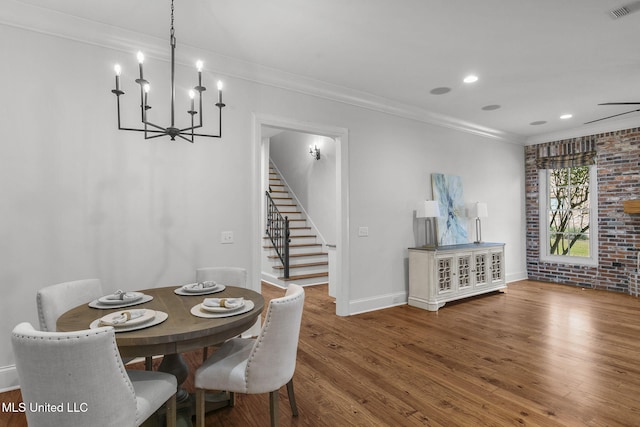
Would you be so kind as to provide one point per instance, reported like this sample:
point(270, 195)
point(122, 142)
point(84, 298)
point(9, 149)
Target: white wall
point(79, 199)
point(312, 181)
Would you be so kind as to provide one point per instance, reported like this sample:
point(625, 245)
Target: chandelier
point(152, 130)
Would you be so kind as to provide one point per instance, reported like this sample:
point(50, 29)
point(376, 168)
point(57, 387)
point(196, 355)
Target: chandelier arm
point(143, 97)
point(145, 130)
point(143, 112)
point(190, 128)
point(185, 138)
point(160, 134)
point(118, 108)
point(204, 134)
point(200, 106)
point(161, 129)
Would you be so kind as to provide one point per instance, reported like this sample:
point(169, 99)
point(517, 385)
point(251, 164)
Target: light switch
point(226, 237)
point(363, 231)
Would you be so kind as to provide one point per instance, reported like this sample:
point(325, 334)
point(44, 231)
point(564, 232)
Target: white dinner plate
point(196, 289)
point(218, 309)
point(109, 318)
point(97, 304)
point(198, 311)
point(183, 290)
point(160, 317)
point(129, 297)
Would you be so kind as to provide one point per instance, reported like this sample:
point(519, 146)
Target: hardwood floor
point(538, 355)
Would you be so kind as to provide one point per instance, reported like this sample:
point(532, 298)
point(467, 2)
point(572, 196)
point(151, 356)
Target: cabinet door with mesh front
point(481, 268)
point(445, 274)
point(497, 266)
point(465, 270)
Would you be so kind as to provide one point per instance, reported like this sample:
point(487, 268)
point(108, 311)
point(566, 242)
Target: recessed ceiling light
point(491, 107)
point(538, 122)
point(566, 116)
point(440, 90)
point(470, 79)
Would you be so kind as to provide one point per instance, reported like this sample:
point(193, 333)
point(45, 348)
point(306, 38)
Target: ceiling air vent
point(624, 10)
point(618, 13)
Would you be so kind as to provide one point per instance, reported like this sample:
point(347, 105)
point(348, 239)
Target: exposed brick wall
point(618, 163)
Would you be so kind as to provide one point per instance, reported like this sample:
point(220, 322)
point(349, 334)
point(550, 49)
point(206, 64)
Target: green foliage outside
point(579, 248)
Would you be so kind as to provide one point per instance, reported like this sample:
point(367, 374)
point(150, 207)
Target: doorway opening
point(266, 127)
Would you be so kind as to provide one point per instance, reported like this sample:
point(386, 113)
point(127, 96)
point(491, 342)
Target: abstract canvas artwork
point(450, 225)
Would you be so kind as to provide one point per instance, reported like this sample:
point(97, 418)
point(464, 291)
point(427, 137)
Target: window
point(568, 215)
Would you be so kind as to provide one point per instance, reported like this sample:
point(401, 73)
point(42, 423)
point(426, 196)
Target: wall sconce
point(315, 152)
point(479, 210)
point(429, 209)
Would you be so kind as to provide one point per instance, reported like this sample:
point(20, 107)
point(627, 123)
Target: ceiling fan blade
point(621, 103)
point(609, 117)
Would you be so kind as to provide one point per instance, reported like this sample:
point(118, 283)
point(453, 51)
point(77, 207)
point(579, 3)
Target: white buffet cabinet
point(441, 274)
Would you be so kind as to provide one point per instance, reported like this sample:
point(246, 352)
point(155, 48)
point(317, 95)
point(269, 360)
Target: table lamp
point(479, 210)
point(429, 209)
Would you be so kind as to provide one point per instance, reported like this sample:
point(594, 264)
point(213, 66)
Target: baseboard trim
point(8, 378)
point(516, 277)
point(365, 305)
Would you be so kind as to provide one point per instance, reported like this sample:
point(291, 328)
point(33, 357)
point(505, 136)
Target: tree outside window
point(568, 211)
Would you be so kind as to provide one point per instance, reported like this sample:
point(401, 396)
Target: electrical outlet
point(363, 231)
point(226, 237)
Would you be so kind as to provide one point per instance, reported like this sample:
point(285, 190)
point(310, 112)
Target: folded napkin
point(120, 295)
point(224, 302)
point(124, 317)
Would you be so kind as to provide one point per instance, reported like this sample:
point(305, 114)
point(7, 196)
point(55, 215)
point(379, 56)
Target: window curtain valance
point(566, 154)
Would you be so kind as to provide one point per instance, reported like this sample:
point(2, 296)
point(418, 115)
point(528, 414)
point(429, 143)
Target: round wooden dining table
point(180, 332)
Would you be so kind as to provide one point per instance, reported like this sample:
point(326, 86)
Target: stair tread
point(308, 254)
point(309, 264)
point(298, 245)
point(304, 276)
point(296, 236)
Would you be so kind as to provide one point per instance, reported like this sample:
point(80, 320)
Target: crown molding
point(46, 21)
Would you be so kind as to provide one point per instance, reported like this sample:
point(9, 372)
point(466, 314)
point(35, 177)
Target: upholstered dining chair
point(232, 276)
point(81, 373)
point(260, 365)
point(54, 300)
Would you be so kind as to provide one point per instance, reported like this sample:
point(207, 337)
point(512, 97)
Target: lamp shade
point(480, 210)
point(428, 209)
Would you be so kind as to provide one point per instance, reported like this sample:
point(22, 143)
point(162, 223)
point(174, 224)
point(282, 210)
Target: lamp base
point(478, 231)
point(430, 238)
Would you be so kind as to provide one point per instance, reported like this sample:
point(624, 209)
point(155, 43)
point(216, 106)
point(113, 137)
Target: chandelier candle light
point(152, 130)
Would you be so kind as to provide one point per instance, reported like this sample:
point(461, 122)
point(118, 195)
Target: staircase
point(308, 263)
